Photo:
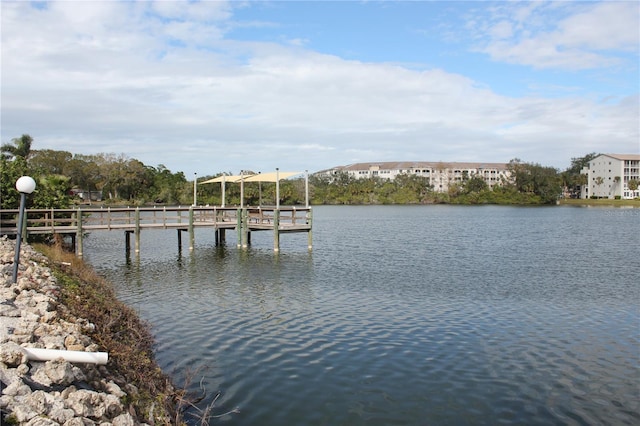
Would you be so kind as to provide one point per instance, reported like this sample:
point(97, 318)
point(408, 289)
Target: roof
point(271, 177)
point(631, 157)
point(260, 177)
point(406, 165)
point(227, 178)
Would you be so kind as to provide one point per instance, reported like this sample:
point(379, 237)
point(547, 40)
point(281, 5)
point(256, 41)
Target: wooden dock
point(75, 223)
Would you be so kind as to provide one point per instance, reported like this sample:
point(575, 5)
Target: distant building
point(439, 174)
point(608, 176)
point(86, 195)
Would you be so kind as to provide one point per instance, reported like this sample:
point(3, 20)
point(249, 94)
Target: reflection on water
point(401, 315)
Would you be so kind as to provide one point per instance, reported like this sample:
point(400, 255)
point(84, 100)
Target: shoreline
point(601, 202)
point(58, 302)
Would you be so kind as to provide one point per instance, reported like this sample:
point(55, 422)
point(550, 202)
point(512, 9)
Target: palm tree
point(633, 185)
point(599, 181)
point(19, 147)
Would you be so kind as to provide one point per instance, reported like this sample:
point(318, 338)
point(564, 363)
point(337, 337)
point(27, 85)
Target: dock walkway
point(76, 222)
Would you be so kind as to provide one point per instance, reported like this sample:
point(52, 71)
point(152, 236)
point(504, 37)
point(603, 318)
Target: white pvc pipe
point(37, 354)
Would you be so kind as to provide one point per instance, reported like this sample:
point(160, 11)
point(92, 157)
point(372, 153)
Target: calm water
point(429, 315)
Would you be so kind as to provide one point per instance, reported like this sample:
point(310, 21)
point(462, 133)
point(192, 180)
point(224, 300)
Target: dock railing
point(131, 220)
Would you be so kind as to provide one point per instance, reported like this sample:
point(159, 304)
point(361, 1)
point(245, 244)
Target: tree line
point(125, 181)
point(57, 173)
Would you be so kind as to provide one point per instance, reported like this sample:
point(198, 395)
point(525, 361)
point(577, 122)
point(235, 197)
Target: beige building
point(608, 176)
point(440, 174)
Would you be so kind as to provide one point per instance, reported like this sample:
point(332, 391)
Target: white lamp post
point(25, 185)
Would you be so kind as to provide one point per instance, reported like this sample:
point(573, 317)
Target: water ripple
point(462, 316)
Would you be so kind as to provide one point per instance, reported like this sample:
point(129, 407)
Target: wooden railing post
point(78, 215)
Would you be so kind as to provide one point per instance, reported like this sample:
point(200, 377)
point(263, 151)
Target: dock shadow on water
point(401, 315)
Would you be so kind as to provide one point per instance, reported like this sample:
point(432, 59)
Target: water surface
point(413, 315)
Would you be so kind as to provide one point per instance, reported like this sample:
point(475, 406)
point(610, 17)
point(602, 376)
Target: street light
point(25, 185)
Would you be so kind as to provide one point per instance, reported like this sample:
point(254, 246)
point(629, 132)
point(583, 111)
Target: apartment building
point(608, 176)
point(440, 174)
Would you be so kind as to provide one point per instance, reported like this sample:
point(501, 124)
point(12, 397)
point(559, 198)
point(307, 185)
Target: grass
point(600, 202)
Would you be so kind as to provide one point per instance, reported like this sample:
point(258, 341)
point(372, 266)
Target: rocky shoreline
point(55, 392)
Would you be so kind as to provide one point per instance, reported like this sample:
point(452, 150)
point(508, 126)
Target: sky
point(210, 86)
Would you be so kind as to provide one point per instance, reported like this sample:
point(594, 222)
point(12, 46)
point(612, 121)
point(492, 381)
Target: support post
point(276, 230)
point(79, 232)
point(191, 231)
point(245, 228)
point(127, 242)
point(239, 226)
point(137, 221)
point(277, 188)
point(195, 189)
point(306, 188)
point(73, 242)
point(310, 232)
point(223, 187)
point(241, 190)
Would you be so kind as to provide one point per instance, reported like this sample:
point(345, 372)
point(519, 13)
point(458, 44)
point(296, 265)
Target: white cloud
point(591, 35)
point(103, 80)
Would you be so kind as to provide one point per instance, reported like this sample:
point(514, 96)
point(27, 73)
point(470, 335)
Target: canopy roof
point(260, 177)
point(227, 178)
point(271, 177)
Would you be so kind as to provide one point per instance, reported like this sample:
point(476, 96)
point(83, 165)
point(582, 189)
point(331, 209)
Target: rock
point(42, 421)
point(9, 309)
point(114, 389)
point(77, 421)
point(17, 388)
point(113, 407)
point(11, 354)
point(38, 393)
point(123, 420)
point(23, 413)
point(39, 401)
point(61, 414)
point(62, 372)
point(86, 403)
point(9, 375)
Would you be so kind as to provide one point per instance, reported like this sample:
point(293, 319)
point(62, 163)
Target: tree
point(572, 179)
point(10, 171)
point(579, 163)
point(599, 181)
point(167, 187)
point(475, 184)
point(543, 182)
point(52, 191)
point(633, 185)
point(19, 147)
point(50, 161)
point(84, 174)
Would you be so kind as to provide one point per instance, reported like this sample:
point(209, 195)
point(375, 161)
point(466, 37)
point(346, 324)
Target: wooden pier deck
point(76, 222)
